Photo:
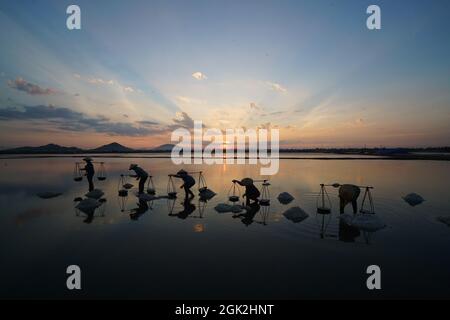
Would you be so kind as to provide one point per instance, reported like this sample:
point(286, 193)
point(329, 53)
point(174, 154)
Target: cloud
point(101, 81)
point(268, 126)
point(182, 120)
point(276, 87)
point(147, 123)
point(128, 89)
point(357, 123)
point(254, 106)
point(68, 120)
point(199, 76)
point(33, 89)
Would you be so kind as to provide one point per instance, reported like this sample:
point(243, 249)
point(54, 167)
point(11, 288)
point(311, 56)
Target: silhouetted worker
point(348, 233)
point(142, 207)
point(188, 182)
point(141, 175)
point(89, 169)
point(188, 208)
point(349, 193)
point(89, 216)
point(251, 191)
point(249, 215)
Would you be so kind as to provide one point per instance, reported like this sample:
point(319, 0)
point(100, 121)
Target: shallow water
point(216, 255)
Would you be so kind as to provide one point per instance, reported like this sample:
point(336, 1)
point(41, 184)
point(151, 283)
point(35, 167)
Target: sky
point(137, 70)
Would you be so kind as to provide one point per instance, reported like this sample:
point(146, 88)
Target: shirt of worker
point(89, 167)
point(252, 192)
point(140, 172)
point(188, 180)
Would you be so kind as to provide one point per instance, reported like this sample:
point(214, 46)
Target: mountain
point(111, 148)
point(164, 147)
point(49, 148)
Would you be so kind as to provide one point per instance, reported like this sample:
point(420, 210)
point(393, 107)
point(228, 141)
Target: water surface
point(213, 255)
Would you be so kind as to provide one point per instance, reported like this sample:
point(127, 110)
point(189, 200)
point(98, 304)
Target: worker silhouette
point(89, 172)
point(140, 174)
point(188, 182)
point(142, 207)
point(248, 217)
point(348, 233)
point(188, 209)
point(348, 193)
point(251, 191)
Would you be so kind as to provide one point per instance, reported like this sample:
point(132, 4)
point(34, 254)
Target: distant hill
point(111, 148)
point(49, 148)
point(164, 147)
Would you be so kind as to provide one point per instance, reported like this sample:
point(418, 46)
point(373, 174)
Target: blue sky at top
point(310, 68)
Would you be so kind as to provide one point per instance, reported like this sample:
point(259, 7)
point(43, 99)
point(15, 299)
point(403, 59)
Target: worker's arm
point(238, 182)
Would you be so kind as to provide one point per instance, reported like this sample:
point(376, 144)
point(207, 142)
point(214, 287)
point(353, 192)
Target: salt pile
point(413, 199)
point(48, 194)
point(365, 222)
point(295, 214)
point(128, 186)
point(223, 207)
point(445, 220)
point(207, 194)
point(95, 194)
point(285, 198)
point(88, 205)
point(145, 197)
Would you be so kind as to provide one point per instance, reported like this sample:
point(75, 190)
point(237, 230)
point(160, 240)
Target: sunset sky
point(139, 69)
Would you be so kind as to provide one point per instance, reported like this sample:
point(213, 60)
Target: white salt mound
point(368, 222)
point(413, 199)
point(88, 204)
point(48, 194)
point(207, 194)
point(237, 208)
point(95, 194)
point(285, 198)
point(223, 207)
point(145, 197)
point(128, 186)
point(346, 218)
point(295, 214)
point(445, 220)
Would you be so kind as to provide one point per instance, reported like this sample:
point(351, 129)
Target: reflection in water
point(348, 233)
point(247, 218)
point(142, 207)
point(323, 220)
point(411, 228)
point(188, 208)
point(92, 208)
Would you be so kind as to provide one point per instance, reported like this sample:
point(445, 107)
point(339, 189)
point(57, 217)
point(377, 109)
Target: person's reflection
point(248, 217)
point(348, 233)
point(89, 172)
point(142, 207)
point(188, 208)
point(89, 215)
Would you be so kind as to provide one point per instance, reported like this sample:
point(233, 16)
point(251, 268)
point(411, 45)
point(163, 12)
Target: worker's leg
point(188, 191)
point(91, 182)
point(355, 206)
point(142, 184)
point(341, 205)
